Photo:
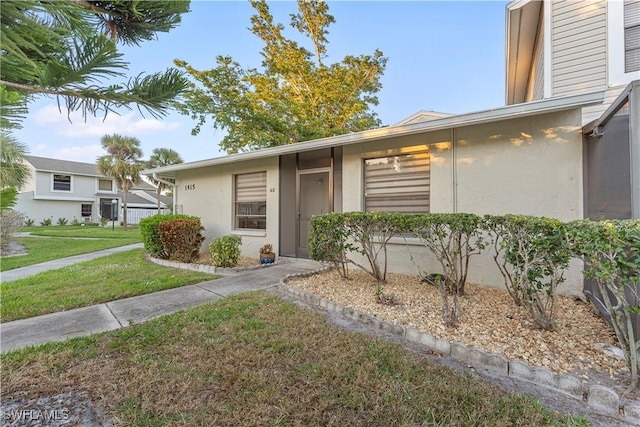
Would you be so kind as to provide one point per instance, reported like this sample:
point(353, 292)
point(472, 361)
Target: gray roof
point(66, 166)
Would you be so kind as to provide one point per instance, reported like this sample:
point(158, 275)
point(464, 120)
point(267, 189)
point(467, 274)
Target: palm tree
point(162, 157)
point(13, 172)
point(122, 163)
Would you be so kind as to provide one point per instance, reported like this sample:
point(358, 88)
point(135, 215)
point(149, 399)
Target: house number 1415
point(189, 187)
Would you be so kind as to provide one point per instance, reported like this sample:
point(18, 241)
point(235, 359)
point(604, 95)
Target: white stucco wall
point(527, 166)
point(208, 194)
point(39, 210)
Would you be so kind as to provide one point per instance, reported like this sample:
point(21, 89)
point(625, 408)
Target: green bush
point(327, 241)
point(532, 253)
point(28, 222)
point(334, 236)
point(452, 238)
point(75, 221)
point(225, 251)
point(62, 221)
point(46, 222)
point(611, 251)
point(149, 232)
point(181, 238)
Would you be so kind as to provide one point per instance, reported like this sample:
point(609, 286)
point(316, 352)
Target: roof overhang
point(614, 107)
point(462, 120)
point(523, 18)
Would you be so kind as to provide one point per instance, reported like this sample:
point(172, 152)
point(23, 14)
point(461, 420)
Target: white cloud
point(129, 124)
point(84, 153)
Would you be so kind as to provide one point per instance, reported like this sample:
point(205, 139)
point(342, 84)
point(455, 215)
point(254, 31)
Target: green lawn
point(133, 232)
point(47, 249)
point(255, 360)
point(101, 280)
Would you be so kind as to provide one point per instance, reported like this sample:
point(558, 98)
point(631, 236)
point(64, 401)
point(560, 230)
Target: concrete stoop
point(601, 399)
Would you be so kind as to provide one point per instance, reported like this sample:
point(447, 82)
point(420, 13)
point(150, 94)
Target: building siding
point(578, 46)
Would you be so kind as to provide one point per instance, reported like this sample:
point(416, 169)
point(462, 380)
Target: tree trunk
point(124, 207)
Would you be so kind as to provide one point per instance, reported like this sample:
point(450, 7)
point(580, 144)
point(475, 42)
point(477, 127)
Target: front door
point(314, 198)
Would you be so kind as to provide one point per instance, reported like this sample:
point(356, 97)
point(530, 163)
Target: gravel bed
point(583, 345)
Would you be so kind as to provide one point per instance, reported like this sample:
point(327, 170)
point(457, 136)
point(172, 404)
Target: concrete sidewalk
point(31, 270)
point(117, 314)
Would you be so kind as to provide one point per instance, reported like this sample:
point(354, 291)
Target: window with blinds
point(631, 35)
point(251, 201)
point(61, 182)
point(397, 183)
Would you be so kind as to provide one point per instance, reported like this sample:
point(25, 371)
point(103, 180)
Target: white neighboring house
point(565, 145)
point(65, 189)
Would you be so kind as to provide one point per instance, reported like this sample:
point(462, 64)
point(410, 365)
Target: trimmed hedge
point(149, 232)
point(181, 238)
point(531, 253)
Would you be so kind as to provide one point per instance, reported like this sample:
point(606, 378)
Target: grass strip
point(255, 360)
point(41, 250)
point(133, 232)
point(101, 280)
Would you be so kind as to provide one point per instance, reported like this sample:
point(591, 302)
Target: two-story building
point(565, 145)
point(75, 190)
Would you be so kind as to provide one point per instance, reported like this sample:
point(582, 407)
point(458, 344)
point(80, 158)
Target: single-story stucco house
point(566, 145)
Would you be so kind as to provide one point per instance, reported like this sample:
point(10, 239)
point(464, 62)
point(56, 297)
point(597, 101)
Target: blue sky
point(444, 56)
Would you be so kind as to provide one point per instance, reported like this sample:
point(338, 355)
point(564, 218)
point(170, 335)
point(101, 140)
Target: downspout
point(454, 169)
point(170, 184)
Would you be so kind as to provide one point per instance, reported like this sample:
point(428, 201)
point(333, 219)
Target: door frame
point(329, 171)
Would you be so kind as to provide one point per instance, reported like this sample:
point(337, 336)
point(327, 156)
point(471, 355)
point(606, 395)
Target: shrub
point(10, 222)
point(225, 251)
point(334, 236)
point(453, 239)
point(181, 238)
point(149, 232)
point(611, 251)
point(28, 222)
point(532, 254)
point(327, 241)
point(46, 222)
point(103, 221)
point(75, 221)
point(62, 221)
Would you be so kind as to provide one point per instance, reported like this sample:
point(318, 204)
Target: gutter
point(170, 184)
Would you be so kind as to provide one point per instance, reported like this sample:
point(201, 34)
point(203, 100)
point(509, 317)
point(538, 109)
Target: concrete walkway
point(31, 270)
point(117, 314)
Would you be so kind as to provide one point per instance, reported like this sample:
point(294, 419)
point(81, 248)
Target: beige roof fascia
point(469, 119)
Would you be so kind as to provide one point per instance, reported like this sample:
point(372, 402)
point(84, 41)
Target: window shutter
point(397, 183)
point(251, 187)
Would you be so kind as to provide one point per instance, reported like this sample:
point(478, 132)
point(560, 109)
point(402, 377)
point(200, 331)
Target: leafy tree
point(162, 157)
point(296, 96)
point(59, 49)
point(122, 163)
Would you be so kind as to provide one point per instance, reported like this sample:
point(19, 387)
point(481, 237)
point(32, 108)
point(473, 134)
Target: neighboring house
point(541, 154)
point(64, 189)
